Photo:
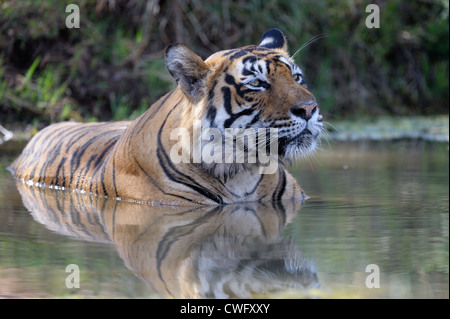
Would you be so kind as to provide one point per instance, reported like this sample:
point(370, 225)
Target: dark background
point(111, 68)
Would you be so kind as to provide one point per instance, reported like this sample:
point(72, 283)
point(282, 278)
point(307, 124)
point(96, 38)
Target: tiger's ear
point(188, 69)
point(274, 39)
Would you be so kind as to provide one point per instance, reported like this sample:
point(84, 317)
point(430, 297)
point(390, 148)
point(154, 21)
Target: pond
point(376, 225)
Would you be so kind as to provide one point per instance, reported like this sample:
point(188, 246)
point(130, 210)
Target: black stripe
point(235, 116)
point(256, 186)
point(230, 52)
point(281, 212)
point(114, 173)
point(113, 222)
point(60, 166)
point(102, 180)
point(281, 186)
point(211, 115)
point(268, 67)
point(99, 160)
point(253, 49)
point(237, 55)
point(159, 188)
point(211, 111)
point(226, 92)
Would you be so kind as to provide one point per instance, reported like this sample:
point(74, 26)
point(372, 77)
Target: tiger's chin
point(227, 171)
point(291, 149)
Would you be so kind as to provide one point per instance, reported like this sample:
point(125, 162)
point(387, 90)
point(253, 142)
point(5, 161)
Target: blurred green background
point(111, 68)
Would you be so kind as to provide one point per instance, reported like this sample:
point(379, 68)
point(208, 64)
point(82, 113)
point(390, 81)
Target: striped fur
point(257, 87)
point(230, 251)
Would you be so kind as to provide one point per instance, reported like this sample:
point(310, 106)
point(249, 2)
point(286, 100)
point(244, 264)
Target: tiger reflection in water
point(232, 251)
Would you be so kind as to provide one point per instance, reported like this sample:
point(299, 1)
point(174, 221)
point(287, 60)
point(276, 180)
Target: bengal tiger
point(226, 251)
point(256, 87)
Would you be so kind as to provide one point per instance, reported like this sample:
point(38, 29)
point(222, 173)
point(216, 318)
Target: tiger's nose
point(304, 110)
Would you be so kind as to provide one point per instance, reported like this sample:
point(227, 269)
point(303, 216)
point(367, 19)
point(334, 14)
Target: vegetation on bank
point(111, 68)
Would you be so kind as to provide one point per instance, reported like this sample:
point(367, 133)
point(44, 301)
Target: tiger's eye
point(255, 83)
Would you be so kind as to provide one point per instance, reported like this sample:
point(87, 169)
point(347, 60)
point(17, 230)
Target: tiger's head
point(252, 87)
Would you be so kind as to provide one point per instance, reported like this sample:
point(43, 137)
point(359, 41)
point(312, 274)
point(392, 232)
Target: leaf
point(31, 70)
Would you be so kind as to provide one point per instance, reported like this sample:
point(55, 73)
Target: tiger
point(255, 87)
point(202, 251)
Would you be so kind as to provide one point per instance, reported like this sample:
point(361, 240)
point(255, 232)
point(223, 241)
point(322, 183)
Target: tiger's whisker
point(310, 41)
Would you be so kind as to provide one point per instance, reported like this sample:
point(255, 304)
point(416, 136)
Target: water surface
point(383, 204)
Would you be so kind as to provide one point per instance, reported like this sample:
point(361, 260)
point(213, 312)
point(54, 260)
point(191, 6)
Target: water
point(377, 214)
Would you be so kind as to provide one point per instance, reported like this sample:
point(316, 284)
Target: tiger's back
point(69, 155)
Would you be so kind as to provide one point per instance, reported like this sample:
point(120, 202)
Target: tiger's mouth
point(304, 132)
point(304, 143)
